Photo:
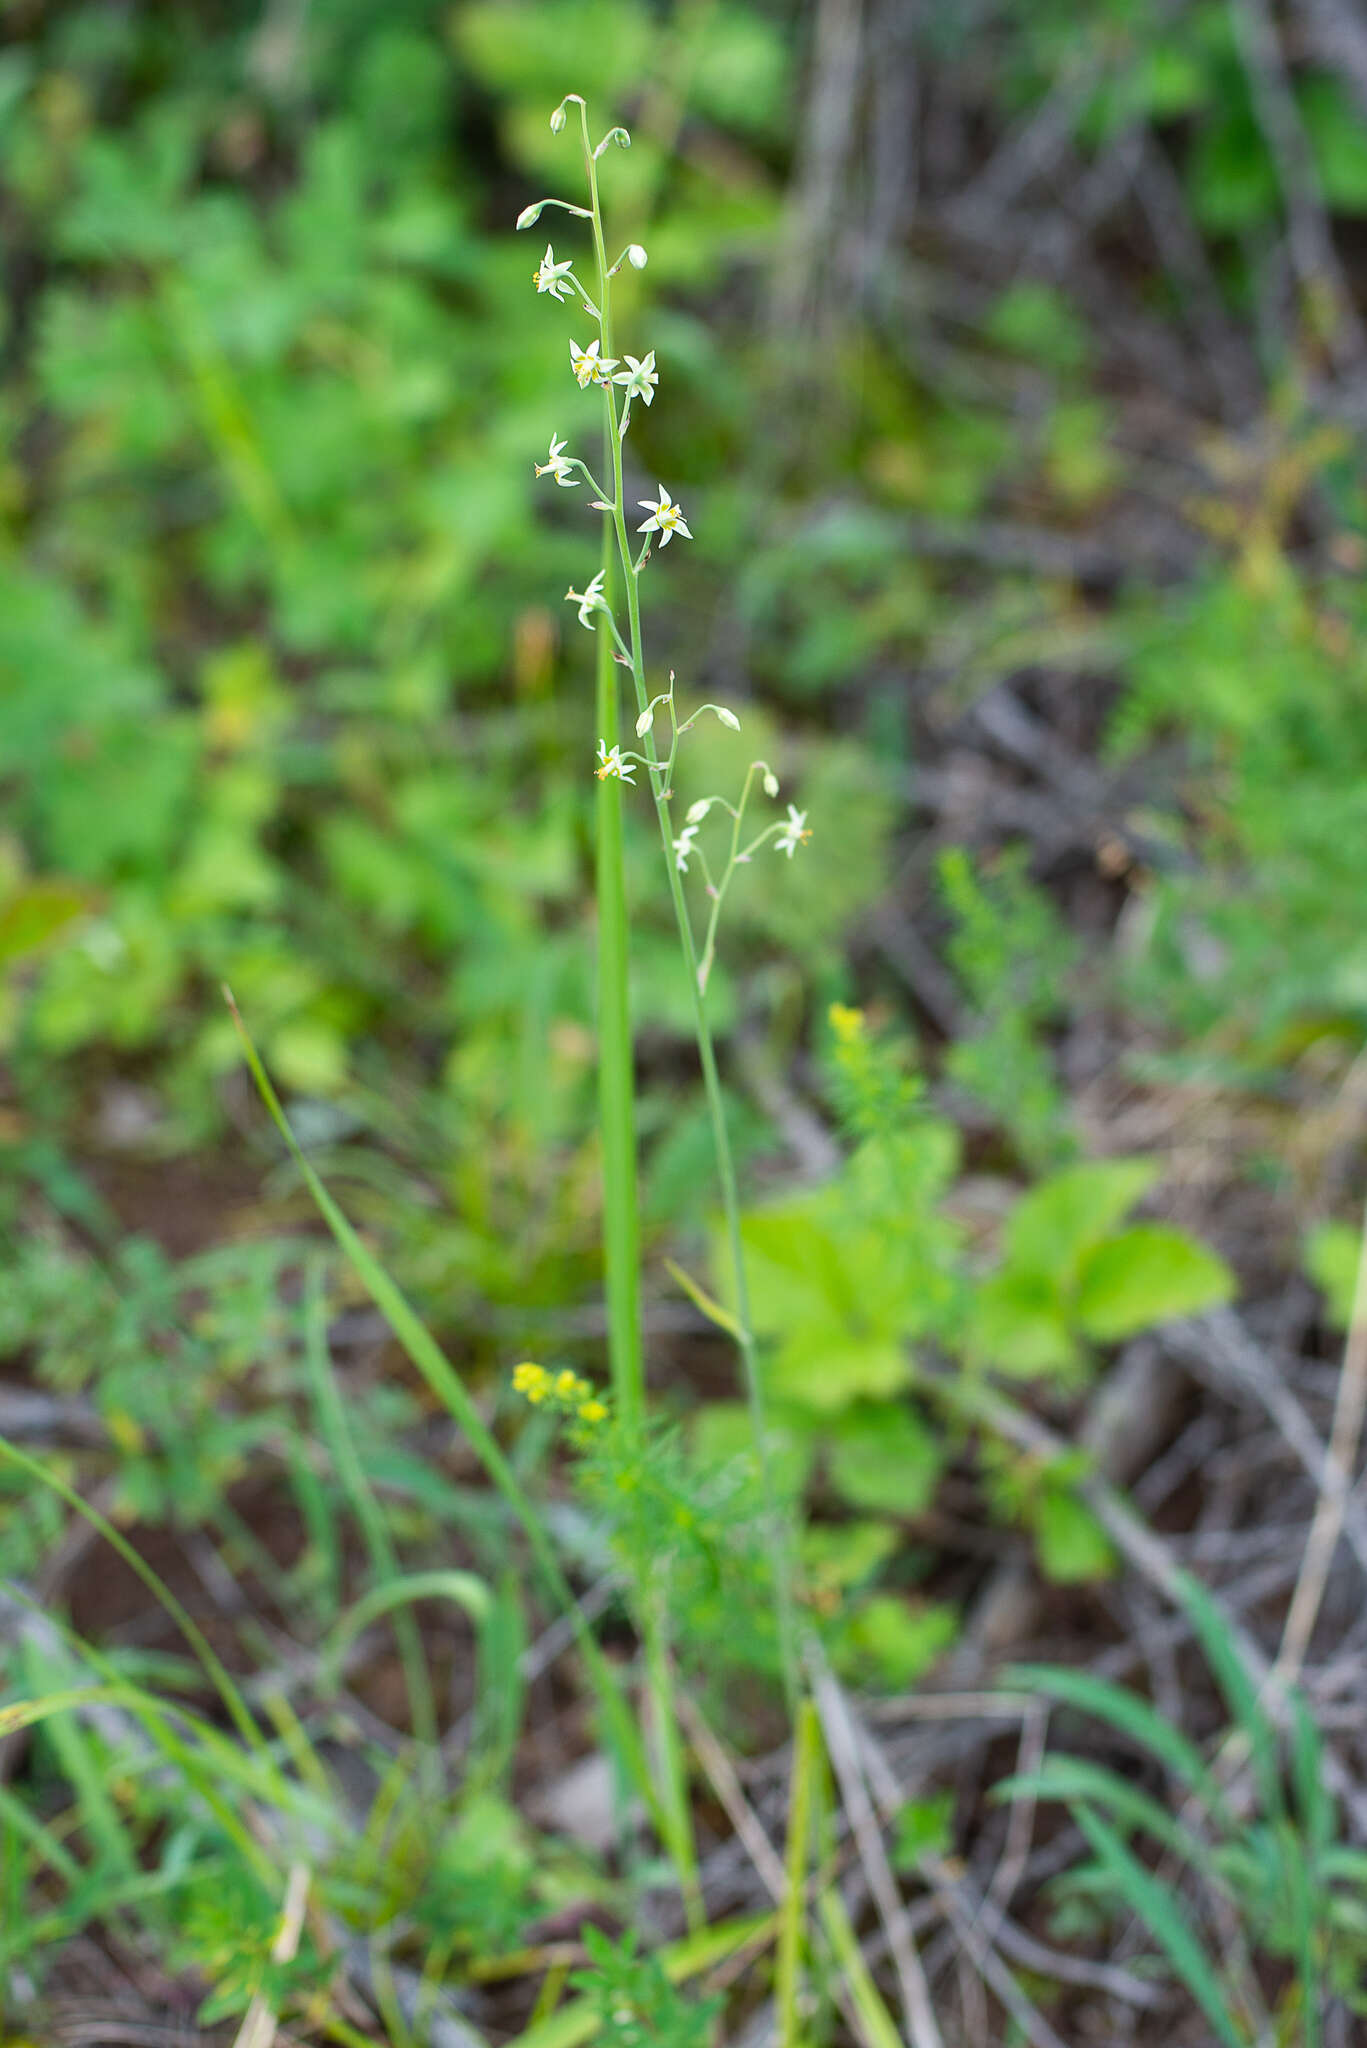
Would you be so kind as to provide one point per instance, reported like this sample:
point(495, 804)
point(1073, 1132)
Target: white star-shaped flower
point(590, 366)
point(558, 466)
point(639, 379)
point(550, 276)
point(612, 763)
point(683, 847)
point(793, 832)
point(665, 518)
point(589, 601)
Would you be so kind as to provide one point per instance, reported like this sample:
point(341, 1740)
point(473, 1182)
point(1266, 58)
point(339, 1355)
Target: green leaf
point(884, 1457)
point(921, 1828)
point(703, 1301)
point(890, 1642)
point(1147, 1275)
point(723, 1432)
point(837, 1556)
point(1242, 1693)
point(1332, 1255)
point(1071, 1542)
point(1338, 142)
point(1057, 1222)
point(818, 1370)
point(35, 913)
point(1035, 321)
point(1018, 1326)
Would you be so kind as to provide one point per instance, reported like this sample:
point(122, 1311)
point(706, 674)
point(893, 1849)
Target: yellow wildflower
point(847, 1024)
point(532, 1380)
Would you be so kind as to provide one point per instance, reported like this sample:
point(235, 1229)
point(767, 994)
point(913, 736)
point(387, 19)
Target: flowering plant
point(610, 608)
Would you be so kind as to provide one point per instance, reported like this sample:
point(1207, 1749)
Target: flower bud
point(728, 717)
point(645, 721)
point(770, 782)
point(530, 214)
point(698, 811)
point(636, 256)
point(558, 119)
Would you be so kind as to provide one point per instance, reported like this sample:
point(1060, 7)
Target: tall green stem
point(616, 1080)
point(616, 1102)
point(702, 1030)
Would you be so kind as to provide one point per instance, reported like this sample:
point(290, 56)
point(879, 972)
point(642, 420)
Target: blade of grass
point(210, 1663)
point(1152, 1903)
point(332, 1424)
point(1132, 1717)
point(1241, 1693)
point(1070, 1779)
point(792, 1922)
point(871, 2013)
point(461, 1588)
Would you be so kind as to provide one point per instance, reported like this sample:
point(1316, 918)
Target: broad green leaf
point(842, 1295)
point(1230, 174)
point(1036, 321)
point(721, 1432)
point(820, 1370)
point(1056, 1223)
point(1071, 1542)
point(1338, 142)
point(885, 1457)
point(892, 1642)
point(1018, 1325)
point(839, 1555)
point(35, 913)
point(1332, 1255)
point(1148, 1274)
point(921, 1828)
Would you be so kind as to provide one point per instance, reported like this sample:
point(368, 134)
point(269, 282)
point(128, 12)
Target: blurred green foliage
point(287, 701)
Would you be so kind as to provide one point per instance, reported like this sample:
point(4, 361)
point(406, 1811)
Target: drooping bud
point(645, 721)
point(698, 811)
point(728, 717)
point(770, 782)
point(558, 119)
point(530, 214)
point(636, 256)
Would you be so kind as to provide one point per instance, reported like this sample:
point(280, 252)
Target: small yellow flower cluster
point(564, 1390)
point(847, 1024)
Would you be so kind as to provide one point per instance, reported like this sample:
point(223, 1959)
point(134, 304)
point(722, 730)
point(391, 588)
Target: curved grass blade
point(212, 1666)
point(1154, 1905)
point(1232, 1675)
point(384, 1561)
point(1071, 1779)
point(1130, 1716)
point(462, 1588)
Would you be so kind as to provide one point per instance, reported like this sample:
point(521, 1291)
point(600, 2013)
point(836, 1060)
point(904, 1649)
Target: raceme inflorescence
point(621, 382)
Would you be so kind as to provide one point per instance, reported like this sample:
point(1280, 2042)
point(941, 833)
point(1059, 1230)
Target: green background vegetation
point(288, 700)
